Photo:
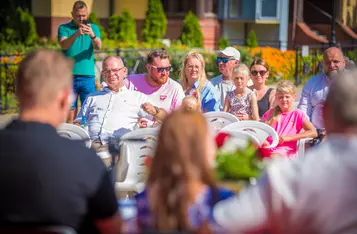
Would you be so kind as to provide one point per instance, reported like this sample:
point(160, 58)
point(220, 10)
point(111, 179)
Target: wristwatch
point(93, 37)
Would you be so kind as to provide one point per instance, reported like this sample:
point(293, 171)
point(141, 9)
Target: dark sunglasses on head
point(161, 69)
point(262, 72)
point(224, 60)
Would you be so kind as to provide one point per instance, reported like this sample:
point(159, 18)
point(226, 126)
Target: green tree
point(94, 20)
point(191, 34)
point(155, 22)
point(223, 43)
point(127, 28)
point(113, 26)
point(252, 41)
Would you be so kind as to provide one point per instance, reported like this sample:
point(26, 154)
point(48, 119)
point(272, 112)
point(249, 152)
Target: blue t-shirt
point(82, 50)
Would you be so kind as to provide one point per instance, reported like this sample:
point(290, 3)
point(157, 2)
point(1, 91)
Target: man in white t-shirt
point(162, 91)
point(114, 110)
point(227, 59)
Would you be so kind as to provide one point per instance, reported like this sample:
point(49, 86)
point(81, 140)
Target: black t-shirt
point(48, 179)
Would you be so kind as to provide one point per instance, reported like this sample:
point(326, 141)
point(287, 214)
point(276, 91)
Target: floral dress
point(198, 213)
point(240, 105)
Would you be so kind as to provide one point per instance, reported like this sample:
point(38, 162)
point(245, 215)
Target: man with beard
point(316, 89)
point(114, 110)
point(163, 91)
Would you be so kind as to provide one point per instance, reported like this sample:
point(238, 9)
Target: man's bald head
point(333, 61)
point(114, 72)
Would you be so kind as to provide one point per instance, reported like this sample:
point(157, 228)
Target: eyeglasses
point(224, 60)
point(261, 73)
point(115, 70)
point(162, 69)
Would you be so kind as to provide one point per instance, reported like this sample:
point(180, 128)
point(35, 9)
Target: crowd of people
point(50, 180)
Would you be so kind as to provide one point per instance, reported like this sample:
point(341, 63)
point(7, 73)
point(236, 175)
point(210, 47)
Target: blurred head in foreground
point(181, 168)
point(44, 87)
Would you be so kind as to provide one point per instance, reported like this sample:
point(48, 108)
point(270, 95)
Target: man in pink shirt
point(163, 91)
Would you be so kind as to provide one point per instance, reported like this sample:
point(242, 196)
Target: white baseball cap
point(231, 52)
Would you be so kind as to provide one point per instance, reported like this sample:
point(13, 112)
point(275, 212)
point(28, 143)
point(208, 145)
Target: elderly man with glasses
point(162, 91)
point(227, 59)
point(114, 110)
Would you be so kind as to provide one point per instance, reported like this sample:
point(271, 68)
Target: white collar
point(122, 89)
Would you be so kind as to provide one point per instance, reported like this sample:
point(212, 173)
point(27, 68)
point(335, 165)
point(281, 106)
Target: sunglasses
point(162, 69)
point(224, 60)
point(261, 73)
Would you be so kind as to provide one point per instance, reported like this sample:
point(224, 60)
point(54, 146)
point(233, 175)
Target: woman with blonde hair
point(193, 77)
point(181, 189)
point(291, 125)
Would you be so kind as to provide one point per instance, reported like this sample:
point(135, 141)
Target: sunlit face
point(159, 70)
point(114, 73)
point(80, 15)
point(334, 62)
point(240, 80)
point(285, 100)
point(193, 70)
point(259, 74)
point(226, 68)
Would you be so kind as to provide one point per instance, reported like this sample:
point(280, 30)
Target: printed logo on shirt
point(163, 97)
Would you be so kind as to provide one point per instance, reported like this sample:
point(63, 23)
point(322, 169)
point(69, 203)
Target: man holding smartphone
point(78, 39)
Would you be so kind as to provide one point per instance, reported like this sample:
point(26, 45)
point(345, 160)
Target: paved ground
point(5, 118)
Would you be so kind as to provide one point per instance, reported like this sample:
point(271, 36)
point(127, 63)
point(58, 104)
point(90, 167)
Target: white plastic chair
point(74, 132)
point(132, 168)
point(218, 120)
point(259, 130)
point(301, 146)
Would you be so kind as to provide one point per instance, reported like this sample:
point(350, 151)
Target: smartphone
point(85, 22)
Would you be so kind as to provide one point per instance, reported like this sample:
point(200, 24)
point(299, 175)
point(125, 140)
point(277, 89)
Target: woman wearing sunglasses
point(259, 70)
point(193, 77)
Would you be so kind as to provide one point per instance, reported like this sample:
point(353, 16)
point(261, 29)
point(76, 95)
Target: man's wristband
point(93, 37)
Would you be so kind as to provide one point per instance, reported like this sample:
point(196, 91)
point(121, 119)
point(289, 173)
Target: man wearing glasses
point(114, 110)
point(163, 91)
point(227, 59)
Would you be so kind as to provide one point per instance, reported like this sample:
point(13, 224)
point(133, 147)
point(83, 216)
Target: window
point(235, 8)
point(269, 8)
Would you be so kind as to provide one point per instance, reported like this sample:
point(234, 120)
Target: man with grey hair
point(227, 59)
point(315, 194)
point(114, 110)
point(47, 179)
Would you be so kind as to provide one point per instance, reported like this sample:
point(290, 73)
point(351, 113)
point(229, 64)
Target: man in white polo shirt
point(163, 91)
point(227, 59)
point(114, 110)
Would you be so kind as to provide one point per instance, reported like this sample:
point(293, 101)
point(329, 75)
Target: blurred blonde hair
point(42, 74)
point(242, 69)
point(195, 96)
point(180, 158)
point(283, 87)
point(202, 80)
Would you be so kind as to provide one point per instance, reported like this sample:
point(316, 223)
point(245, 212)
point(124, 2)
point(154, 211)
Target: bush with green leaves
point(252, 41)
point(22, 28)
point(223, 43)
point(191, 34)
point(94, 20)
point(155, 22)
